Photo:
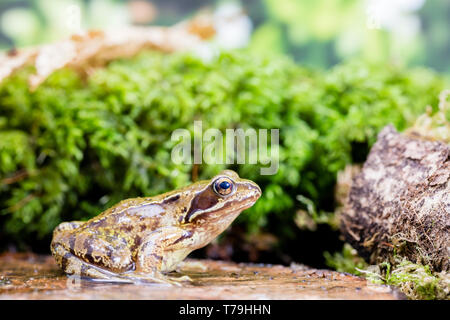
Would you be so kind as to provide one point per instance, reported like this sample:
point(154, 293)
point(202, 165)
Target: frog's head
point(217, 202)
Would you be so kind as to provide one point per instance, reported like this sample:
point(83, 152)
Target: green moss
point(435, 125)
point(71, 148)
point(416, 281)
point(345, 261)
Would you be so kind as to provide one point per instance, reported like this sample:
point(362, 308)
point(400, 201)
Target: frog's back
point(133, 216)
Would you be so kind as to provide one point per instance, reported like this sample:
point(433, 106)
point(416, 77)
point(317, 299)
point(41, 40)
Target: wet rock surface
point(31, 276)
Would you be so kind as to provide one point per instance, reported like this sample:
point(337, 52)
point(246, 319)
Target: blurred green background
point(317, 33)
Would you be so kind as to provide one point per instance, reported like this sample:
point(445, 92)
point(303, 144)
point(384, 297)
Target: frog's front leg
point(163, 249)
point(161, 252)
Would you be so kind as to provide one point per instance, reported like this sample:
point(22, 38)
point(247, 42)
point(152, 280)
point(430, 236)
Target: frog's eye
point(223, 186)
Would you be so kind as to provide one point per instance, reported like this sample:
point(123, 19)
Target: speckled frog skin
point(142, 238)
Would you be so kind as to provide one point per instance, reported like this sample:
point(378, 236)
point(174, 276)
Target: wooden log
point(30, 276)
point(399, 204)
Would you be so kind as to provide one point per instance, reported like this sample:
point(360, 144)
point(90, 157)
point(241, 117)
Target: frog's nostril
point(258, 190)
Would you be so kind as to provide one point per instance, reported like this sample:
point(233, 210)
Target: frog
point(144, 239)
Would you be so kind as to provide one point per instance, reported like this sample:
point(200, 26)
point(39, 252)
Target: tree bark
point(399, 204)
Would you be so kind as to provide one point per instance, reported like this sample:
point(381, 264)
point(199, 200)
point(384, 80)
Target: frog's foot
point(184, 278)
point(192, 265)
point(156, 276)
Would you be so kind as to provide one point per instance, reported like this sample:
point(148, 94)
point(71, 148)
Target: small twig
point(18, 176)
point(387, 244)
point(195, 172)
point(22, 202)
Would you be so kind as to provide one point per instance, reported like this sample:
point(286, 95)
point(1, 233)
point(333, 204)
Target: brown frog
point(139, 239)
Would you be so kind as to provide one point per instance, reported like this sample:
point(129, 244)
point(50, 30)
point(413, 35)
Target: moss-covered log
point(400, 202)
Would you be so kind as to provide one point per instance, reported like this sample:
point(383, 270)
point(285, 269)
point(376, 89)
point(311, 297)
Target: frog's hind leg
point(57, 247)
point(74, 266)
point(90, 254)
point(66, 226)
